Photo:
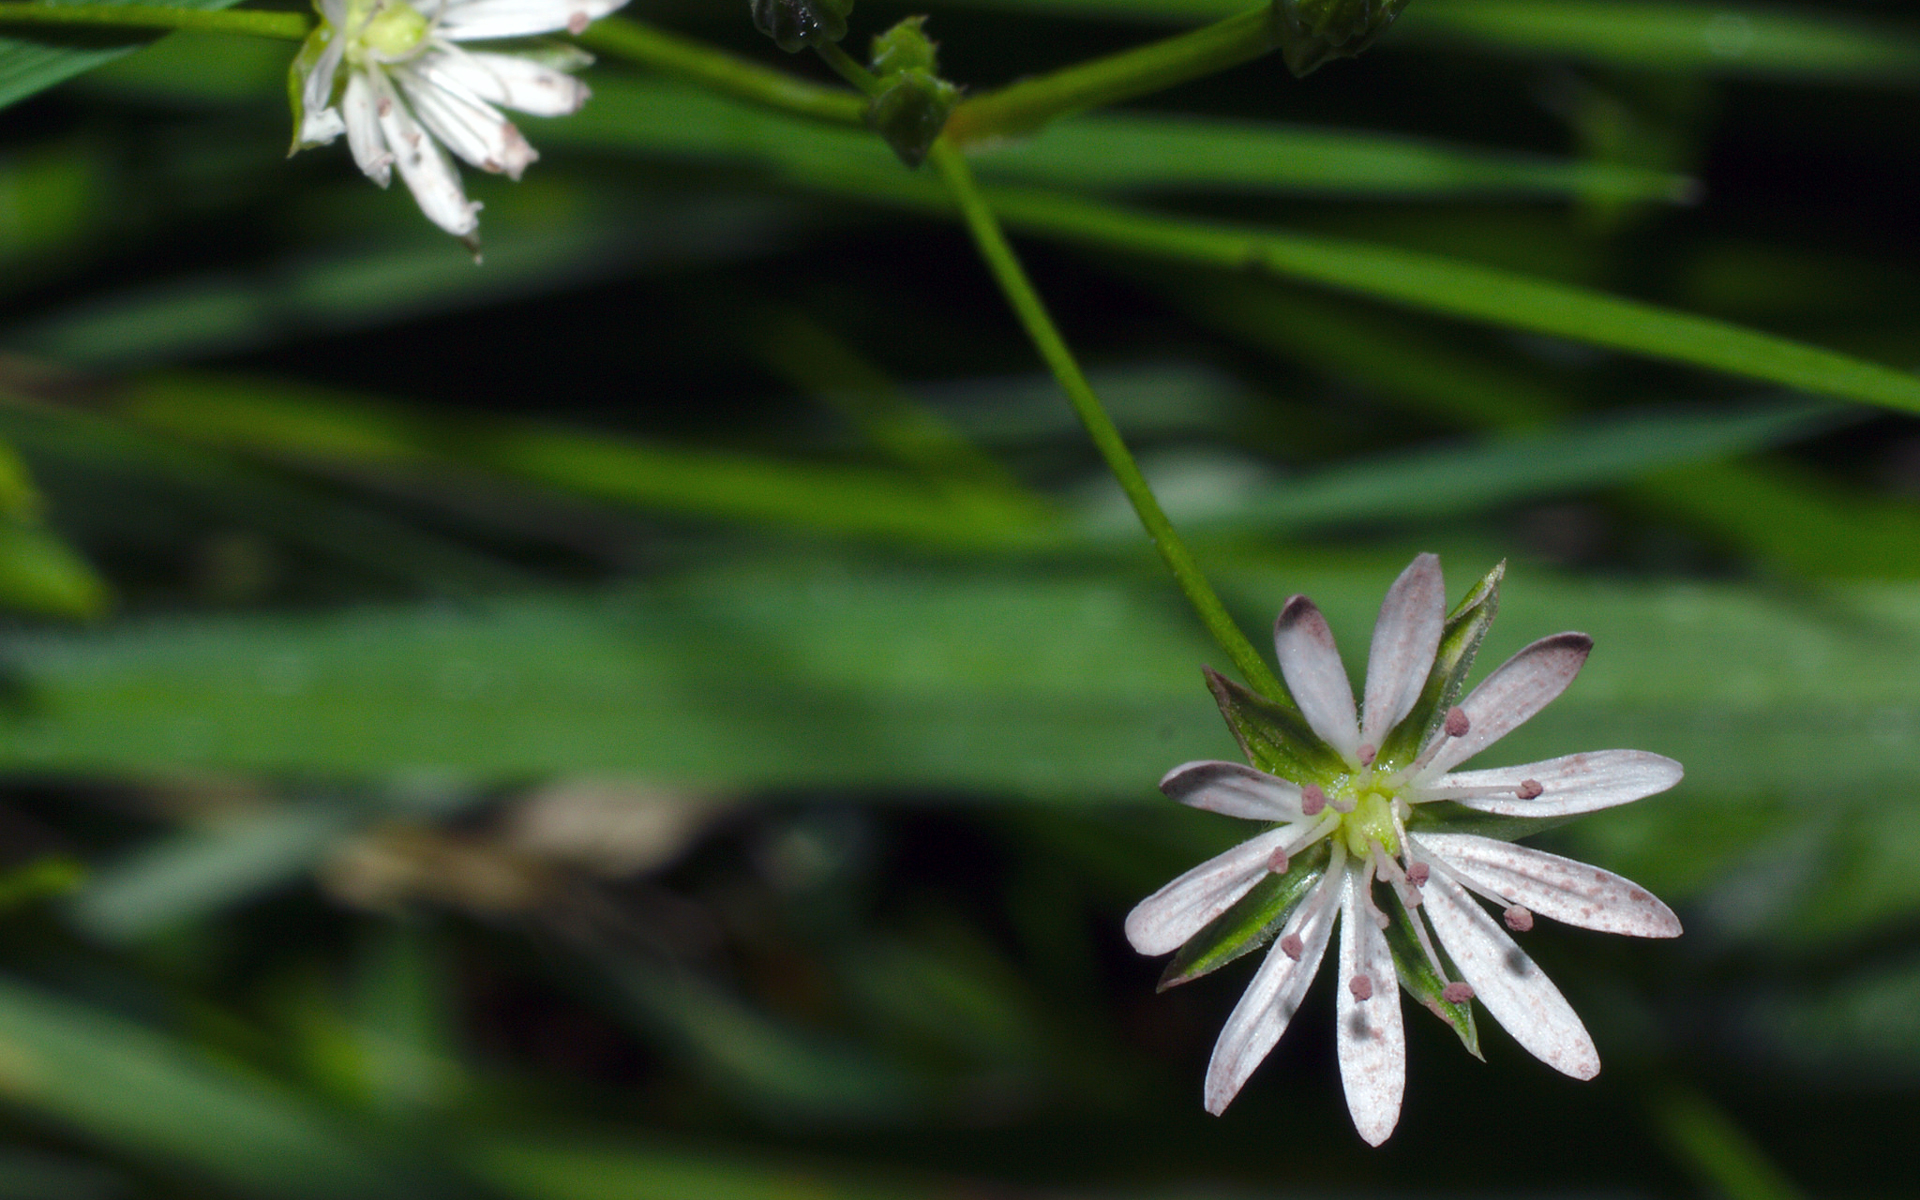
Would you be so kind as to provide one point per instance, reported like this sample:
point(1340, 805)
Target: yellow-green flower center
point(383, 30)
point(1370, 821)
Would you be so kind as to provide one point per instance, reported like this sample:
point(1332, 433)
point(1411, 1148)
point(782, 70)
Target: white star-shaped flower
point(391, 75)
point(1374, 805)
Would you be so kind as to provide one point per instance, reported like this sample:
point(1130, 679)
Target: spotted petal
point(1570, 785)
point(1556, 887)
point(464, 123)
point(1372, 1042)
point(1310, 663)
point(428, 172)
point(473, 20)
point(1515, 991)
point(358, 108)
point(1164, 921)
point(515, 82)
point(1233, 790)
point(1517, 689)
point(1405, 639)
point(1272, 998)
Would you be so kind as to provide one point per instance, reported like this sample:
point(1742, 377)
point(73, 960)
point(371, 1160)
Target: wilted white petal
point(1373, 1047)
point(1310, 663)
point(1272, 998)
point(1164, 921)
point(1519, 688)
point(469, 20)
point(428, 172)
point(517, 83)
point(1570, 785)
point(464, 123)
point(318, 126)
point(1553, 886)
point(1233, 789)
point(370, 151)
point(1405, 639)
point(1515, 991)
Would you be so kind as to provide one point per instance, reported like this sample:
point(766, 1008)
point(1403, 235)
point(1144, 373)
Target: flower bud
point(794, 24)
point(1314, 31)
point(913, 103)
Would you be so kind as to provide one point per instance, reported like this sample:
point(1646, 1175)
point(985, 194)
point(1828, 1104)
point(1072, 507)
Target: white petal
point(1519, 688)
point(1310, 663)
point(1515, 991)
point(470, 20)
point(468, 125)
point(1570, 785)
point(428, 172)
point(1234, 790)
point(357, 105)
point(1373, 1046)
point(517, 83)
point(1164, 921)
point(316, 90)
point(1405, 639)
point(319, 126)
point(1272, 998)
point(1552, 886)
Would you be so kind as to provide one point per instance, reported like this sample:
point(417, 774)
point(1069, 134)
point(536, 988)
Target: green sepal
point(297, 71)
point(1275, 738)
point(1313, 32)
point(1422, 982)
point(1253, 921)
point(913, 103)
point(795, 24)
point(1460, 640)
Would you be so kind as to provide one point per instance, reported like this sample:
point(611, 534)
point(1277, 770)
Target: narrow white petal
point(1164, 921)
point(1552, 886)
point(1518, 688)
point(1405, 639)
point(1570, 785)
point(1310, 663)
point(428, 172)
point(1515, 991)
point(362, 121)
point(468, 125)
point(518, 83)
point(319, 126)
point(316, 90)
point(1373, 1047)
point(1272, 998)
point(471, 20)
point(1234, 790)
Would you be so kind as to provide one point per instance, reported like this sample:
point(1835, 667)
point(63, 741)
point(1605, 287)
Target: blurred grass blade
point(554, 1170)
point(136, 1093)
point(42, 576)
point(33, 62)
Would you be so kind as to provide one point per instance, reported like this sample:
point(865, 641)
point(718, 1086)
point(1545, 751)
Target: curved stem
point(671, 54)
point(1032, 311)
point(1031, 103)
point(281, 26)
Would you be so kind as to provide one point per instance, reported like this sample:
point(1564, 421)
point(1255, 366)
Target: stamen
point(1342, 804)
point(1312, 800)
point(1417, 874)
point(1292, 947)
point(577, 23)
point(1529, 789)
point(1277, 861)
point(1457, 993)
point(1374, 857)
point(1367, 753)
point(1457, 723)
point(1361, 987)
point(1518, 919)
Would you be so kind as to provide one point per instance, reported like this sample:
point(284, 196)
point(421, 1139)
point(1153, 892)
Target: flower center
point(384, 30)
point(1370, 821)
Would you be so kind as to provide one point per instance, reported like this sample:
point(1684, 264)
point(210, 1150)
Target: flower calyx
point(913, 103)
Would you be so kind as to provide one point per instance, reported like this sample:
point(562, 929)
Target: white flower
point(1369, 810)
point(409, 90)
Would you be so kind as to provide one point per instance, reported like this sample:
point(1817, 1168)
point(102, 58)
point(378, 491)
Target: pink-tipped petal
point(1272, 998)
point(1372, 1042)
point(1405, 639)
point(1519, 688)
point(1164, 921)
point(1234, 790)
point(1569, 785)
point(1568, 891)
point(1514, 990)
point(517, 83)
point(1310, 663)
point(425, 168)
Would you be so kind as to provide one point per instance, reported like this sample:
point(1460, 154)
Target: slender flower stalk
point(1373, 830)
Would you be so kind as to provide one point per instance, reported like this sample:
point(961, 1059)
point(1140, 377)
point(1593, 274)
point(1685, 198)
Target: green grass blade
point(33, 62)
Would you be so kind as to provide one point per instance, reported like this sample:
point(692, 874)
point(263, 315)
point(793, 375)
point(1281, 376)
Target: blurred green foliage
point(673, 711)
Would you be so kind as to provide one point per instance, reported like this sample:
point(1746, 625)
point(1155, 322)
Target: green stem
point(1029, 104)
point(1032, 311)
point(688, 59)
point(848, 67)
point(283, 26)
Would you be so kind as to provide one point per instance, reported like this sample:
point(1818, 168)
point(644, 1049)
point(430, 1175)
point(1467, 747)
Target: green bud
point(794, 24)
point(1314, 31)
point(913, 103)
